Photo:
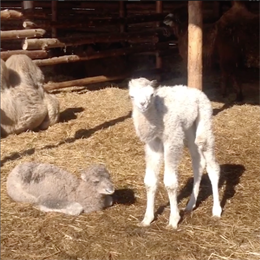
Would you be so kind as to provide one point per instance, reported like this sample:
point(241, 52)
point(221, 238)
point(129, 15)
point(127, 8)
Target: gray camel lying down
point(53, 189)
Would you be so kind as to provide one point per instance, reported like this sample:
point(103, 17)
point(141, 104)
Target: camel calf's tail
point(204, 133)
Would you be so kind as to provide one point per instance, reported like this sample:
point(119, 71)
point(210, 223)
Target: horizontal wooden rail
point(47, 43)
point(98, 79)
point(104, 54)
point(16, 34)
point(38, 54)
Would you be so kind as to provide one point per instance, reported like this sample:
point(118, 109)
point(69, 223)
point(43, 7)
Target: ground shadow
point(17, 155)
point(70, 114)
point(224, 107)
point(124, 196)
point(227, 105)
point(82, 133)
point(229, 176)
point(85, 133)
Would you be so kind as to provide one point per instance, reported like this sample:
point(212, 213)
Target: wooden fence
point(39, 28)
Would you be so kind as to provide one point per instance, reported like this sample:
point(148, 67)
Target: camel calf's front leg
point(153, 152)
point(171, 185)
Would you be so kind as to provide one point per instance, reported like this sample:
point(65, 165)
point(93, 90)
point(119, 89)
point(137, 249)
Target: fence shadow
point(70, 113)
point(82, 133)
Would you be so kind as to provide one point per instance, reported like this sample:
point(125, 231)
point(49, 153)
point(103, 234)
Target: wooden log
point(17, 15)
point(32, 54)
point(133, 8)
point(81, 22)
point(45, 24)
point(9, 4)
point(74, 15)
point(74, 24)
point(74, 20)
point(109, 5)
point(150, 6)
point(46, 43)
point(83, 82)
point(114, 14)
point(14, 34)
point(103, 54)
point(112, 5)
point(96, 5)
point(128, 20)
point(27, 24)
point(17, 4)
point(97, 79)
point(10, 14)
point(93, 30)
point(195, 44)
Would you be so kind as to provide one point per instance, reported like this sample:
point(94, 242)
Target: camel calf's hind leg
point(213, 170)
point(198, 165)
point(172, 155)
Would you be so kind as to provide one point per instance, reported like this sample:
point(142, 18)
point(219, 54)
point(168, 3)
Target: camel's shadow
point(124, 196)
point(229, 176)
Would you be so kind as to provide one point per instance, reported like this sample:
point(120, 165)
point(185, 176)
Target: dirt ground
point(96, 126)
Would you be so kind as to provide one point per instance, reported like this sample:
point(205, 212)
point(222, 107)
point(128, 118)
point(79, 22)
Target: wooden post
point(122, 14)
point(27, 5)
point(159, 10)
point(195, 44)
point(54, 17)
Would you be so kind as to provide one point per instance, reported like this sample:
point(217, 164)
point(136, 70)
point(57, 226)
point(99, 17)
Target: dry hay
point(96, 126)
